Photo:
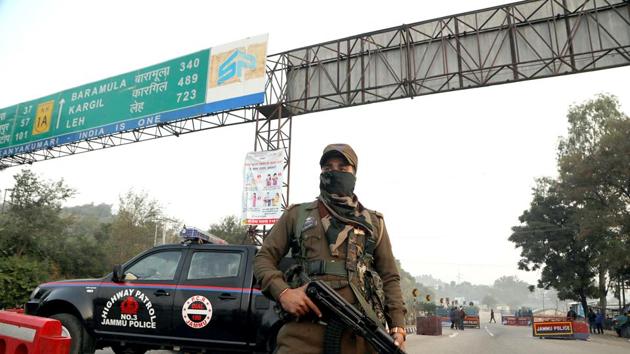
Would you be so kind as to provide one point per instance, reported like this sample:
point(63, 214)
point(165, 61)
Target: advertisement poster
point(262, 187)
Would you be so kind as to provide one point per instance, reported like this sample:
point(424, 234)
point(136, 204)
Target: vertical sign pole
point(270, 136)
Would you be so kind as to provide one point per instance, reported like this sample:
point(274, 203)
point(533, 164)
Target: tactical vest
point(356, 270)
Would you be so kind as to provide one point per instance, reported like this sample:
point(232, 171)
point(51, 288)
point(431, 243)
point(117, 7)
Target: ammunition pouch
point(322, 267)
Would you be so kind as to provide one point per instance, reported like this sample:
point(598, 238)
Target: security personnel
point(337, 240)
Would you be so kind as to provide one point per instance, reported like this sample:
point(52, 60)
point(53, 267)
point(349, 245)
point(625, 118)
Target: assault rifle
point(334, 307)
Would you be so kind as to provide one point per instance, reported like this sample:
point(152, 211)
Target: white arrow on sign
point(59, 114)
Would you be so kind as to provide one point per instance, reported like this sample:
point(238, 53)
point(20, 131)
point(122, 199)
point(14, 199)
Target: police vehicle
point(197, 296)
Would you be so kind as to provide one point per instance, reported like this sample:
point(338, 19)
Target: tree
point(36, 244)
point(594, 165)
point(87, 233)
point(231, 230)
point(88, 218)
point(582, 220)
point(18, 277)
point(133, 228)
point(32, 222)
point(407, 284)
point(511, 291)
point(35, 227)
point(549, 238)
point(489, 301)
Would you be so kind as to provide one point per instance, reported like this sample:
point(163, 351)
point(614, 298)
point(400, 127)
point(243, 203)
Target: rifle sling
point(367, 309)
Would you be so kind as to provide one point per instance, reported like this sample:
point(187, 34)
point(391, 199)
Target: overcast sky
point(451, 172)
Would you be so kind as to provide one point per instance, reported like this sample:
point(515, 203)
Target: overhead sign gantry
point(217, 79)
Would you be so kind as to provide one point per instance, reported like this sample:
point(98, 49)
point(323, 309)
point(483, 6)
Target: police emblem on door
point(197, 312)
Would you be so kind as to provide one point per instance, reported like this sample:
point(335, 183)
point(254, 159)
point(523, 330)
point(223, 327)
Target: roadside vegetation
point(41, 241)
point(577, 227)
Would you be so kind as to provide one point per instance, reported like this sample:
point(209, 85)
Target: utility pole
point(4, 199)
point(155, 235)
point(623, 291)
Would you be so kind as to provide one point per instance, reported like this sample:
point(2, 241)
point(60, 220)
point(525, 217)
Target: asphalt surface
point(499, 339)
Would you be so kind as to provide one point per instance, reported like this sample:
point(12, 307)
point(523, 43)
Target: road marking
point(487, 330)
point(453, 335)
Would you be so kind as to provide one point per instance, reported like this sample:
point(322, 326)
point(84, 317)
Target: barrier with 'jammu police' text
point(559, 327)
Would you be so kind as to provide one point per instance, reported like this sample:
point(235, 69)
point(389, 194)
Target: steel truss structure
point(272, 133)
point(508, 43)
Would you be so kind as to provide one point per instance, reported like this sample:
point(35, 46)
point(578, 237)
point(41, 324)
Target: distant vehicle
point(621, 323)
point(190, 296)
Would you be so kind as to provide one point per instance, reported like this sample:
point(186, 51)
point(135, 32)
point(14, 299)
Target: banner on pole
point(262, 187)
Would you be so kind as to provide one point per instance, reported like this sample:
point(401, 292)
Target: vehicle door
point(143, 303)
point(209, 297)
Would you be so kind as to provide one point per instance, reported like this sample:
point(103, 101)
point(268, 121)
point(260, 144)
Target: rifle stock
point(332, 304)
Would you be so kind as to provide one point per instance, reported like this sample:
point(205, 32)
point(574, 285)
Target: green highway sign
point(210, 80)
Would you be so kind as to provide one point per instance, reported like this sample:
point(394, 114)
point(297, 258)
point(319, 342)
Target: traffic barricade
point(446, 321)
point(442, 313)
point(16, 310)
point(24, 334)
point(429, 326)
point(516, 320)
point(472, 322)
point(559, 327)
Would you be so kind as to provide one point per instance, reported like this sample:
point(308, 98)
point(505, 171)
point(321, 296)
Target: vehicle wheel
point(128, 349)
point(71, 327)
point(625, 331)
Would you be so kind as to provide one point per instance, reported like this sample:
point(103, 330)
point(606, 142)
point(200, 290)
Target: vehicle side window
point(209, 265)
point(157, 266)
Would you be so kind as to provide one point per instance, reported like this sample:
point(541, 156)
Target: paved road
point(499, 339)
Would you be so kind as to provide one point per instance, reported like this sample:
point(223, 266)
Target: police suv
point(199, 295)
